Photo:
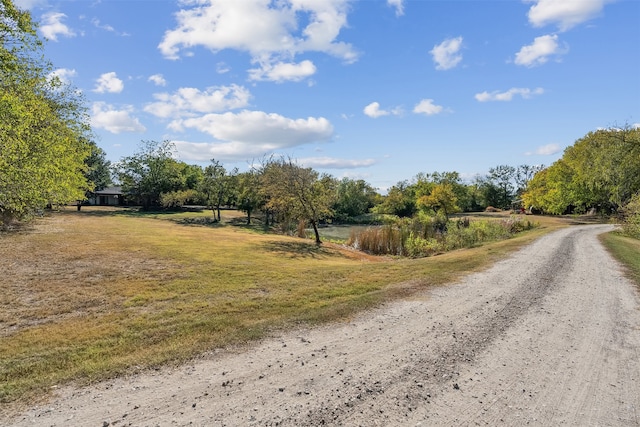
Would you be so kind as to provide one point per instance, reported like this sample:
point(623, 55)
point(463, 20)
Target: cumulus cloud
point(334, 163)
point(447, 55)
point(63, 74)
point(107, 117)
point(109, 83)
point(52, 26)
point(426, 106)
point(250, 134)
point(189, 101)
point(565, 14)
point(546, 150)
point(269, 31)
point(281, 71)
point(508, 95)
point(398, 5)
point(158, 80)
point(373, 110)
point(539, 51)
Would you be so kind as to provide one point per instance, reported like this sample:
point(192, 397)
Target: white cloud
point(566, 14)
point(250, 134)
point(539, 51)
point(508, 95)
point(373, 110)
point(283, 71)
point(189, 101)
point(158, 80)
point(398, 5)
point(446, 54)
point(29, 4)
point(64, 74)
point(113, 120)
point(96, 23)
point(109, 83)
point(269, 31)
point(426, 106)
point(333, 163)
point(222, 68)
point(52, 26)
point(546, 150)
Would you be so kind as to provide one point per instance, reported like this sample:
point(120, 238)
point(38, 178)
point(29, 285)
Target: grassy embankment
point(627, 251)
point(93, 294)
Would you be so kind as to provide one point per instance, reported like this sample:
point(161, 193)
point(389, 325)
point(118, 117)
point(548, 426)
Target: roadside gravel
point(549, 336)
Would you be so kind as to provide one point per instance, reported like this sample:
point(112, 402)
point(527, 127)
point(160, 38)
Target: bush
point(631, 217)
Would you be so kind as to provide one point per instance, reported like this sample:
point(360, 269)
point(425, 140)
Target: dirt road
point(550, 336)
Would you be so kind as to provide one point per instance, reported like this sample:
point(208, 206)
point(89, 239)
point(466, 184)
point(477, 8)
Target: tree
point(503, 177)
point(301, 193)
point(353, 198)
point(98, 169)
point(400, 200)
point(442, 200)
point(217, 186)
point(551, 190)
point(150, 172)
point(524, 174)
point(248, 194)
point(600, 170)
point(44, 129)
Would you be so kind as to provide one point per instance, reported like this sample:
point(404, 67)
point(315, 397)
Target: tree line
point(288, 193)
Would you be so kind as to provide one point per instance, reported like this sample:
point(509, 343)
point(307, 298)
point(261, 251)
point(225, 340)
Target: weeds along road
point(550, 336)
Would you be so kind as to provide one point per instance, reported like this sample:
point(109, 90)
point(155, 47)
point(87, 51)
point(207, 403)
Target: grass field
point(93, 294)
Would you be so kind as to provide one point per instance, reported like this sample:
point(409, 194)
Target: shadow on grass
point(302, 249)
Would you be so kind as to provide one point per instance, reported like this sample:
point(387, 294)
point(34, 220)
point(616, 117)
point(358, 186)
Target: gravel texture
point(549, 336)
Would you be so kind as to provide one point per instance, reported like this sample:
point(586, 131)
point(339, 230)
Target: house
point(110, 196)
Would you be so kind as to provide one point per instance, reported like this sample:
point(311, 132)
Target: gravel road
point(549, 336)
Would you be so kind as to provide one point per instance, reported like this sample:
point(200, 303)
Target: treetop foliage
point(44, 131)
point(599, 171)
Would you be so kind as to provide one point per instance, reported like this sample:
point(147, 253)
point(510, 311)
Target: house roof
point(109, 191)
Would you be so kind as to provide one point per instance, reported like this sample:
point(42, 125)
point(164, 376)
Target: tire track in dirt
point(420, 380)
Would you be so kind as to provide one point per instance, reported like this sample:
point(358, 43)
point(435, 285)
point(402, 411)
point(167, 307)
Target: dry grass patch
point(92, 294)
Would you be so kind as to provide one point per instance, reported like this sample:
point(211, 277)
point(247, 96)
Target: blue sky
point(379, 90)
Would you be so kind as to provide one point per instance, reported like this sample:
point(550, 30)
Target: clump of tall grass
point(425, 236)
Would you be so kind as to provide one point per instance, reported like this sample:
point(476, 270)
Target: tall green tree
point(98, 168)
point(400, 200)
point(298, 192)
point(44, 129)
point(503, 177)
point(218, 186)
point(441, 200)
point(353, 198)
point(599, 171)
point(150, 172)
point(249, 196)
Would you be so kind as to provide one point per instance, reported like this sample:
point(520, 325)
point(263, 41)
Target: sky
point(378, 90)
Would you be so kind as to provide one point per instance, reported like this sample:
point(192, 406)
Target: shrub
point(631, 217)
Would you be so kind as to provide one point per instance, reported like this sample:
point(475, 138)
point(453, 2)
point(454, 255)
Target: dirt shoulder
point(549, 336)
